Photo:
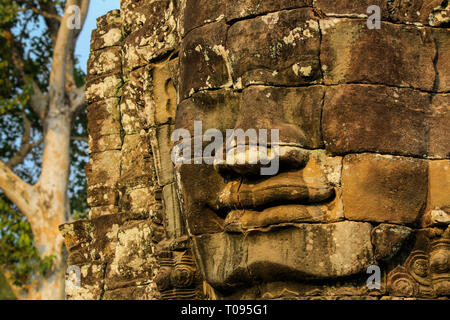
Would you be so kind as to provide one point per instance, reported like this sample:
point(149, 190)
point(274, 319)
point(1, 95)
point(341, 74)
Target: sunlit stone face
point(360, 113)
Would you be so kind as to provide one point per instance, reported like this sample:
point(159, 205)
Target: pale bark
point(46, 204)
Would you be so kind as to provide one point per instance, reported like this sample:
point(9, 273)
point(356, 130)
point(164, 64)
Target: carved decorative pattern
point(400, 283)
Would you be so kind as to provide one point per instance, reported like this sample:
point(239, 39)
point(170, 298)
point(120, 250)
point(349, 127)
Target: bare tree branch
point(45, 14)
point(19, 192)
point(70, 79)
point(83, 139)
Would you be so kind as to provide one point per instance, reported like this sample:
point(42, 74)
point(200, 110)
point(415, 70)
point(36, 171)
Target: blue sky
point(97, 9)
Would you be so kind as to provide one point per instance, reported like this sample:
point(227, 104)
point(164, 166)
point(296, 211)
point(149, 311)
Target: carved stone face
point(356, 127)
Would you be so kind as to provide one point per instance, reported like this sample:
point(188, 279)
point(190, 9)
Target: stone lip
point(287, 191)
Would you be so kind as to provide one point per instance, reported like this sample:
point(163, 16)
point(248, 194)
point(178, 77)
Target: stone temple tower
point(364, 148)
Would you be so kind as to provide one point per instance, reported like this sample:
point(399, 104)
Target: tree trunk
point(46, 204)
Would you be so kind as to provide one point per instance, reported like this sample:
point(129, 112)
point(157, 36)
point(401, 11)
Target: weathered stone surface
point(438, 204)
point(133, 107)
point(359, 118)
point(440, 13)
point(108, 32)
point(215, 109)
point(174, 226)
point(131, 293)
point(102, 196)
point(425, 271)
point(440, 264)
point(346, 7)
point(162, 144)
point(352, 53)
point(134, 261)
point(138, 203)
point(90, 241)
point(104, 126)
point(342, 290)
point(96, 212)
point(103, 168)
point(197, 13)
point(104, 118)
point(419, 11)
point(280, 48)
point(204, 62)
point(77, 233)
point(103, 88)
point(439, 130)
point(387, 240)
point(91, 278)
point(295, 112)
point(161, 102)
point(321, 251)
point(155, 34)
point(387, 189)
point(105, 143)
point(317, 179)
point(103, 62)
point(204, 185)
point(442, 39)
point(136, 162)
point(247, 8)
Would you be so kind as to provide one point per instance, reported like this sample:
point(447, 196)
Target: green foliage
point(5, 290)
point(34, 45)
point(17, 251)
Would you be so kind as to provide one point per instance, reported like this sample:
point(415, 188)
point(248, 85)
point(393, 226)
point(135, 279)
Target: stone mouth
point(284, 198)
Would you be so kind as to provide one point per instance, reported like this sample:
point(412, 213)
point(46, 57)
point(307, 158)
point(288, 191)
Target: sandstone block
point(247, 8)
point(216, 109)
point(133, 259)
point(442, 39)
point(103, 168)
point(391, 55)
point(280, 48)
point(438, 204)
point(108, 32)
point(103, 88)
point(295, 112)
point(204, 63)
point(200, 12)
point(103, 62)
point(101, 196)
point(387, 189)
point(154, 34)
point(200, 186)
point(161, 101)
point(419, 11)
point(359, 118)
point(321, 251)
point(439, 129)
point(91, 282)
point(105, 143)
point(137, 168)
point(387, 240)
point(96, 212)
point(104, 118)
